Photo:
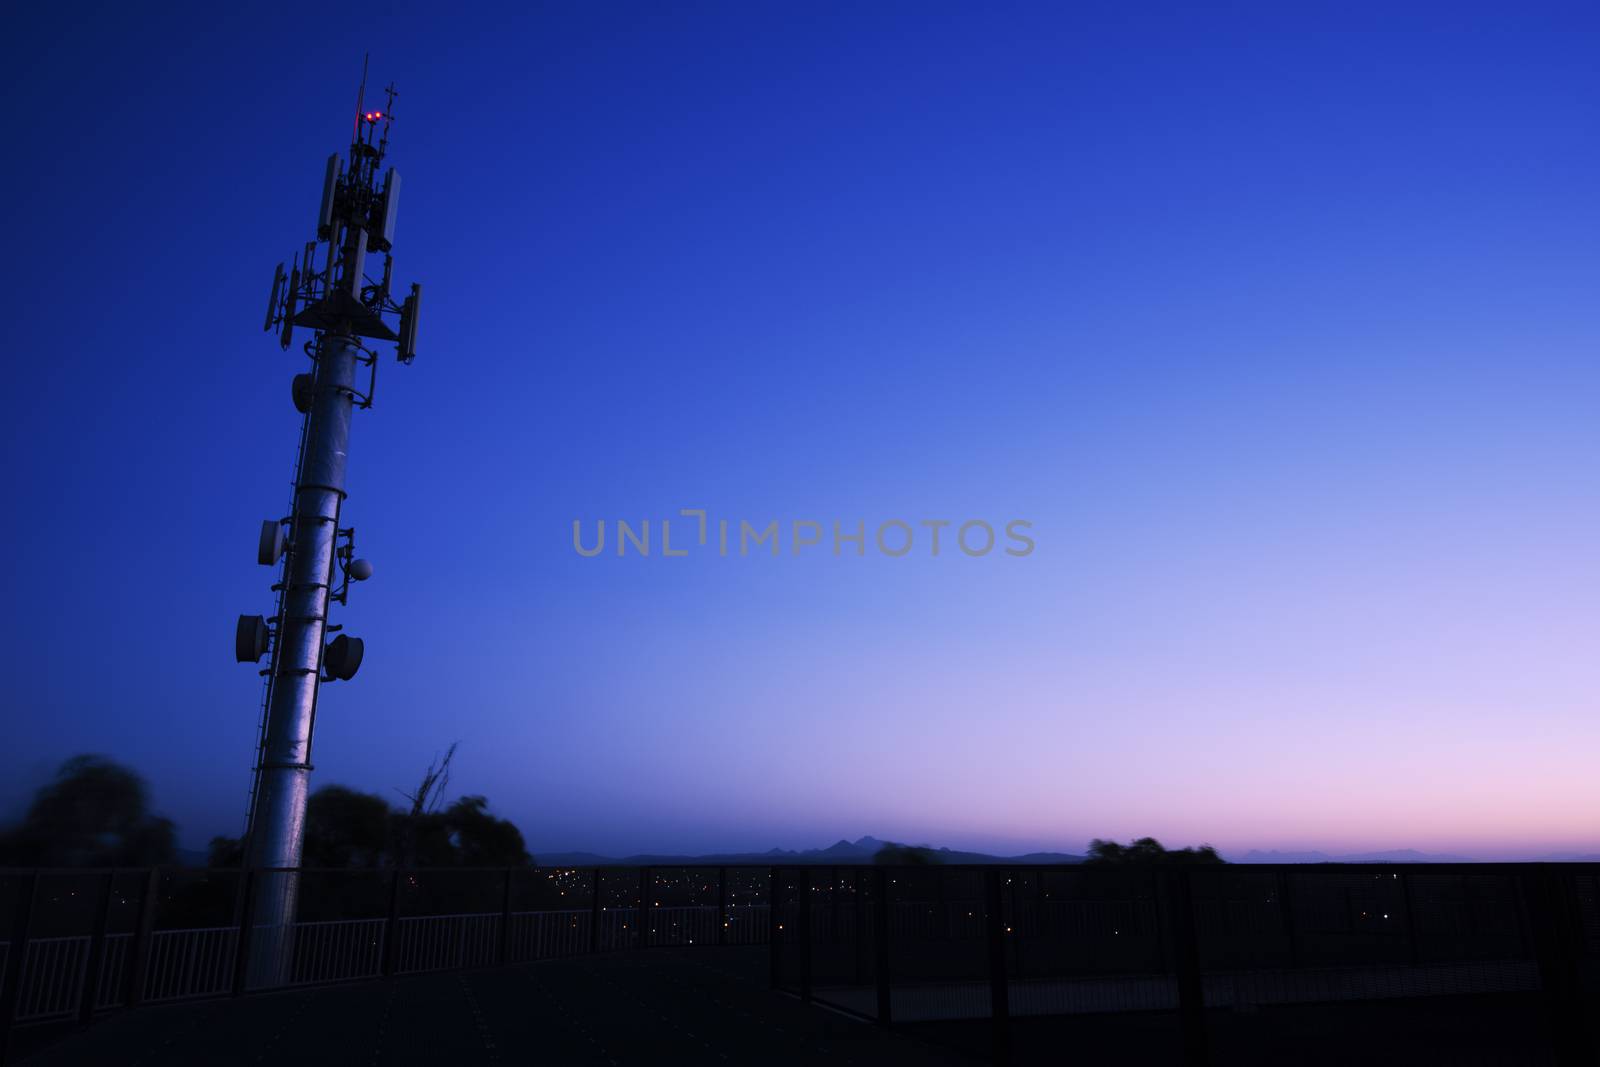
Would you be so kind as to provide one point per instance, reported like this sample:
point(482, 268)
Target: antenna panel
point(330, 182)
point(388, 209)
point(289, 306)
point(278, 279)
point(407, 348)
point(356, 265)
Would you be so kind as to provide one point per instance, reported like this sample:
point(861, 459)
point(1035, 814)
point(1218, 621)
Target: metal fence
point(996, 958)
point(1012, 961)
point(82, 942)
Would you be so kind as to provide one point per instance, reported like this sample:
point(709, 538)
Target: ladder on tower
point(271, 673)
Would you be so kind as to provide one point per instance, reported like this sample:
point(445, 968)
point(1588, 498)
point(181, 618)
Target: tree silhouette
point(464, 834)
point(893, 854)
point(416, 831)
point(95, 814)
point(349, 829)
point(1145, 850)
point(345, 828)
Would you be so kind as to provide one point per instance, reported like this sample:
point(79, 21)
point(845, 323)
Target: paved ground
point(666, 1006)
point(1496, 1031)
point(712, 1006)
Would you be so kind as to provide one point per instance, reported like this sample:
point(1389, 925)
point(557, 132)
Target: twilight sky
point(1276, 321)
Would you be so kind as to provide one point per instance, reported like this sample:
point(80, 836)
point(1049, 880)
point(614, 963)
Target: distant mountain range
point(1396, 855)
point(862, 850)
point(841, 852)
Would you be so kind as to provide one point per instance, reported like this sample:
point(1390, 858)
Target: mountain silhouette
point(842, 852)
point(1397, 855)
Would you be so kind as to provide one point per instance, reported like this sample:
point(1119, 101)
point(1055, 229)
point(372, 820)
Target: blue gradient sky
point(1277, 321)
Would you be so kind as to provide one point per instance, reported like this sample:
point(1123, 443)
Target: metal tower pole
point(278, 831)
point(330, 291)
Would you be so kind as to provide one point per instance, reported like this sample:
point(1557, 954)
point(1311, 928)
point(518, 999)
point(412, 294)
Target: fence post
point(1286, 909)
point(941, 898)
point(594, 911)
point(1411, 918)
point(833, 905)
point(1044, 921)
point(880, 905)
point(1186, 961)
point(1014, 960)
point(643, 933)
point(97, 954)
point(26, 890)
point(722, 905)
point(244, 925)
point(860, 920)
point(391, 926)
point(644, 911)
point(505, 921)
point(774, 929)
point(803, 932)
point(139, 950)
point(1557, 934)
point(999, 991)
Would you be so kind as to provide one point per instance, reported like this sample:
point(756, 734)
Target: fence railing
point(84, 942)
point(994, 946)
point(975, 946)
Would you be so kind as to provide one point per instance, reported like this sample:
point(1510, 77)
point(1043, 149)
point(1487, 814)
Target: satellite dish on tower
point(342, 658)
point(270, 548)
point(250, 639)
point(303, 388)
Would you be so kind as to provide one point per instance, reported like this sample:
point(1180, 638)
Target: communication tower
point(339, 289)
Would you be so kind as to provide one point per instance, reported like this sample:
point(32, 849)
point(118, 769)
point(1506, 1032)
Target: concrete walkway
point(662, 1006)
